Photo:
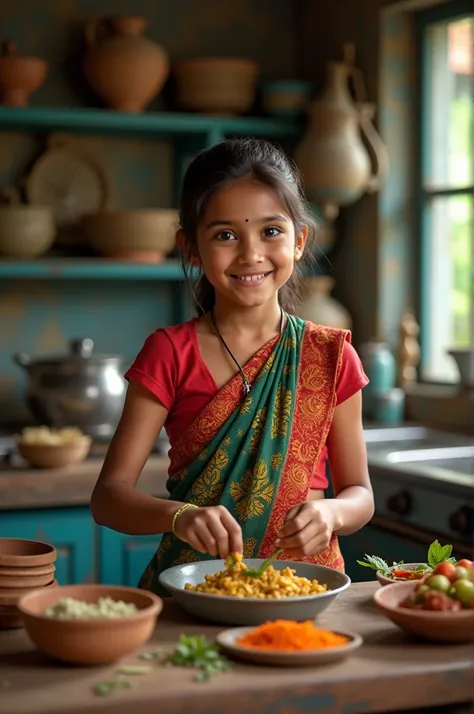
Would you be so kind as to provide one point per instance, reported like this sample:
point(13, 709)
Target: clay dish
point(436, 626)
point(11, 596)
point(21, 553)
point(25, 581)
point(89, 642)
point(387, 580)
point(55, 456)
point(33, 570)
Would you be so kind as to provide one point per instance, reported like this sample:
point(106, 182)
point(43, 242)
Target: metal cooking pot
point(77, 389)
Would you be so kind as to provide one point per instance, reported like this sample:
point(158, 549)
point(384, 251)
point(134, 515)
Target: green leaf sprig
point(437, 554)
point(196, 652)
point(375, 563)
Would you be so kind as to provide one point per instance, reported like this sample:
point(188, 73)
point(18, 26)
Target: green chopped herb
point(147, 656)
point(197, 653)
point(134, 669)
point(104, 689)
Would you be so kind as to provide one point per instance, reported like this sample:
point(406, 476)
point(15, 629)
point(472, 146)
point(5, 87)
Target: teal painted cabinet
point(70, 530)
point(123, 558)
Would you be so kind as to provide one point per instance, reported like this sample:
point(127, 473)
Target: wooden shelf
point(89, 269)
point(101, 269)
point(157, 124)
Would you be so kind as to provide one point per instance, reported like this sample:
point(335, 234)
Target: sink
point(457, 459)
point(408, 438)
point(420, 451)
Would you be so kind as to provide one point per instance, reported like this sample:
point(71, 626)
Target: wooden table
point(388, 673)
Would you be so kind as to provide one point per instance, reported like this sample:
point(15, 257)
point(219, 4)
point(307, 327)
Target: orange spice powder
point(290, 636)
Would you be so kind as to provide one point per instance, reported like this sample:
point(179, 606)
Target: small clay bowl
point(436, 626)
point(385, 580)
point(52, 456)
point(11, 596)
point(25, 581)
point(21, 553)
point(90, 642)
point(29, 572)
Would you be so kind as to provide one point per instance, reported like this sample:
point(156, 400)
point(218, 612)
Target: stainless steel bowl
point(251, 611)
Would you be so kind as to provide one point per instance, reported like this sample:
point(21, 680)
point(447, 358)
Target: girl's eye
point(225, 236)
point(272, 231)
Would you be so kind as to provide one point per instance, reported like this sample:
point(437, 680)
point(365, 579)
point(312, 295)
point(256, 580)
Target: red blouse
point(171, 367)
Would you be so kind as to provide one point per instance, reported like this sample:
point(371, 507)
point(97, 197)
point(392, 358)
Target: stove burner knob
point(462, 521)
point(400, 503)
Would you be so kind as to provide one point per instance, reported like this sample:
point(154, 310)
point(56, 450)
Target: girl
point(253, 399)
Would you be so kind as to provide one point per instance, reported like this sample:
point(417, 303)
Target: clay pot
point(319, 307)
point(19, 76)
point(126, 69)
point(26, 231)
point(216, 85)
point(332, 156)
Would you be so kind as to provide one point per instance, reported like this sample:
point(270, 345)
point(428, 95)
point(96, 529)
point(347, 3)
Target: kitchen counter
point(26, 488)
point(389, 673)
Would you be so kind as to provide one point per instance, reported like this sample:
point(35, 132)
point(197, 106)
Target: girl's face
point(247, 244)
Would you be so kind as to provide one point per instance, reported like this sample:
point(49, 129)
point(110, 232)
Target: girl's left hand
point(307, 529)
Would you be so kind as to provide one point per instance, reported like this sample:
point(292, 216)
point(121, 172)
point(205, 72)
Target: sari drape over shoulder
point(256, 455)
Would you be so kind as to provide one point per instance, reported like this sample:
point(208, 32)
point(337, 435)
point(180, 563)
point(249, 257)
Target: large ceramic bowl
point(97, 641)
point(436, 626)
point(251, 611)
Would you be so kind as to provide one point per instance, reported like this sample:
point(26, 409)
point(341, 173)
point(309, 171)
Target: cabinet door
point(371, 540)
point(123, 558)
point(70, 530)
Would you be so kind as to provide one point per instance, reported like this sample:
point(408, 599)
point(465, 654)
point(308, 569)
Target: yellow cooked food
point(273, 584)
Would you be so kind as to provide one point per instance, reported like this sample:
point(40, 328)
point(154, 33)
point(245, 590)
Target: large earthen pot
point(19, 76)
point(125, 68)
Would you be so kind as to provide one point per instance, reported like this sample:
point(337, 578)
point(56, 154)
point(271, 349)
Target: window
point(446, 185)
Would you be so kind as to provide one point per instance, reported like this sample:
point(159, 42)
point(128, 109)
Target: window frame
point(455, 10)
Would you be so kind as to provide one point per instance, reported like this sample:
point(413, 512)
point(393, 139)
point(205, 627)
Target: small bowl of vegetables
point(89, 624)
point(402, 572)
point(440, 607)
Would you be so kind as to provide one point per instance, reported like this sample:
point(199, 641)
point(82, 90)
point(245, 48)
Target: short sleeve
point(156, 368)
point(352, 377)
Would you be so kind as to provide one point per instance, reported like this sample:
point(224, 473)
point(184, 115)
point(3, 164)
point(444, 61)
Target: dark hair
point(228, 161)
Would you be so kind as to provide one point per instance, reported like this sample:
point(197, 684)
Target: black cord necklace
point(246, 387)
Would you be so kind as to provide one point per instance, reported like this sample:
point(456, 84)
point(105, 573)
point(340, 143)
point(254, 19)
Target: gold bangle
point(180, 510)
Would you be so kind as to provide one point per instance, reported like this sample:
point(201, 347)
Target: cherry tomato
point(438, 582)
point(465, 563)
point(461, 573)
point(446, 569)
point(464, 592)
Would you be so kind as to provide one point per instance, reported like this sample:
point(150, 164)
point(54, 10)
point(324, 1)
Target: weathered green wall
point(38, 317)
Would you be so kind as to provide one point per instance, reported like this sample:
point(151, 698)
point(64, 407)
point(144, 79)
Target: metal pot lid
point(80, 351)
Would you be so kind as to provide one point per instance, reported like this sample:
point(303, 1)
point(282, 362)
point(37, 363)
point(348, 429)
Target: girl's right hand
point(210, 530)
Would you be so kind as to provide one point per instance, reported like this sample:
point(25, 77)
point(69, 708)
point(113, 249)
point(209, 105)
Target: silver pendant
point(246, 388)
